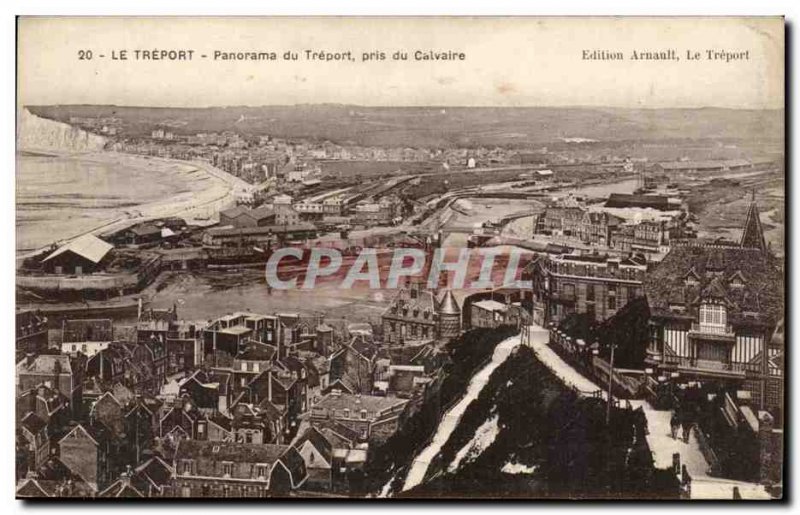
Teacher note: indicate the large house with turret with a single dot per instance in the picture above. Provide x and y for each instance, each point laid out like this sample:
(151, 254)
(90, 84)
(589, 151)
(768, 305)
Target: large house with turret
(416, 314)
(716, 314)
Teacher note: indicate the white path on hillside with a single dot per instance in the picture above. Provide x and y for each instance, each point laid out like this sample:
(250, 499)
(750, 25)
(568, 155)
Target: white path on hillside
(659, 438)
(539, 339)
(450, 419)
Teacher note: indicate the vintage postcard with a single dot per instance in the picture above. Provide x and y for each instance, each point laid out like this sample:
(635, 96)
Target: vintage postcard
(400, 257)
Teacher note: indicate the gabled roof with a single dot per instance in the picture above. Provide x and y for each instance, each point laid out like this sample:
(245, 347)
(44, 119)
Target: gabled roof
(714, 290)
(96, 432)
(332, 430)
(220, 420)
(46, 364)
(761, 294)
(261, 213)
(32, 488)
(269, 409)
(295, 465)
(365, 348)
(33, 423)
(87, 246)
(318, 440)
(121, 488)
(156, 471)
(145, 229)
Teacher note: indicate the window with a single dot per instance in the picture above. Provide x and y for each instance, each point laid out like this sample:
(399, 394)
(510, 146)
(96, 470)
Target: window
(74, 348)
(713, 317)
(227, 469)
(187, 467)
(346, 413)
(248, 437)
(261, 470)
(244, 366)
(612, 303)
(363, 414)
(249, 366)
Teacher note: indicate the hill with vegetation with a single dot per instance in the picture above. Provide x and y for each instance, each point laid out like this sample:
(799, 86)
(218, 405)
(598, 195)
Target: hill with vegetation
(526, 436)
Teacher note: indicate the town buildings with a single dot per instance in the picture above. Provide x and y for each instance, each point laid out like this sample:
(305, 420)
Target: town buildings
(31, 333)
(372, 418)
(224, 469)
(416, 314)
(83, 255)
(86, 336)
(595, 284)
(715, 309)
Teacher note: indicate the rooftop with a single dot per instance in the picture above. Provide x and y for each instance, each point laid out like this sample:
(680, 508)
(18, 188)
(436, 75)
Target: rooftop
(229, 451)
(338, 401)
(87, 246)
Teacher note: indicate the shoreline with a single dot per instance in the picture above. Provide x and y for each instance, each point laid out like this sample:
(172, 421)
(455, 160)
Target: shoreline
(199, 204)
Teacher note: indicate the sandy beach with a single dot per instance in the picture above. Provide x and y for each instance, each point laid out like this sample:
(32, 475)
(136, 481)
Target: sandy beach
(100, 192)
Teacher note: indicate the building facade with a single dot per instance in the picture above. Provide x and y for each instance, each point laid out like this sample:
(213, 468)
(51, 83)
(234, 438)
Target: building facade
(598, 285)
(716, 312)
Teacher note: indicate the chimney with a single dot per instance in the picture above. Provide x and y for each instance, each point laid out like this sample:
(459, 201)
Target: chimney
(269, 385)
(30, 358)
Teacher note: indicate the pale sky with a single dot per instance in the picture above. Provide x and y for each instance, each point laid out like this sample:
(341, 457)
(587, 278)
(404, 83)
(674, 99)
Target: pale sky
(509, 62)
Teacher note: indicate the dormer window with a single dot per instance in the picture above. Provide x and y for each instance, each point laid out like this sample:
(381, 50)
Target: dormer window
(736, 280)
(713, 318)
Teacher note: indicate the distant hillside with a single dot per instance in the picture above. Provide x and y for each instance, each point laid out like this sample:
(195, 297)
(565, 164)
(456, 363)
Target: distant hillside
(441, 126)
(35, 133)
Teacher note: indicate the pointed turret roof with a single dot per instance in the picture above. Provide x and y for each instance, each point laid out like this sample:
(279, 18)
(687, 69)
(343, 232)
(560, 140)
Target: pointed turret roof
(753, 233)
(449, 304)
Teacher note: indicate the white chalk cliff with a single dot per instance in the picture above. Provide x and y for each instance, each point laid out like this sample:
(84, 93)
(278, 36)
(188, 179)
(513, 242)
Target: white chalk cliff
(35, 133)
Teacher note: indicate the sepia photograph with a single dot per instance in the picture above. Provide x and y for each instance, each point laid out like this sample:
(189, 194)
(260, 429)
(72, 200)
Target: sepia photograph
(389, 258)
